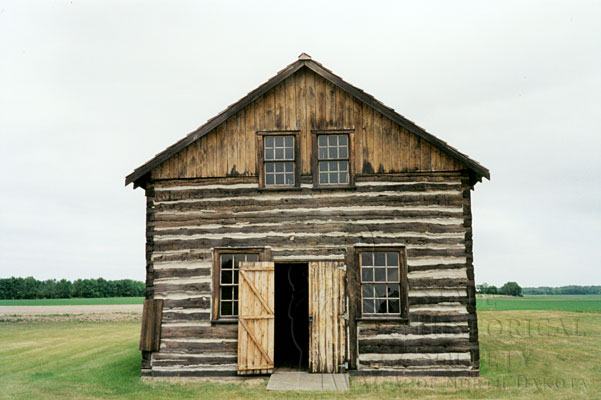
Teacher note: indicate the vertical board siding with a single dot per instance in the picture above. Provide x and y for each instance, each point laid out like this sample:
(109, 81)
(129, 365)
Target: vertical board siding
(152, 313)
(305, 101)
(429, 214)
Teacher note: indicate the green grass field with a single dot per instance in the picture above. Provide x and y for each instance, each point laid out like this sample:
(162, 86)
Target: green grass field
(73, 302)
(575, 303)
(525, 354)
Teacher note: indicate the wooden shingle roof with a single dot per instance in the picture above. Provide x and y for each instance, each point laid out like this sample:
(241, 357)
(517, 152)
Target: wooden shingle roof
(304, 61)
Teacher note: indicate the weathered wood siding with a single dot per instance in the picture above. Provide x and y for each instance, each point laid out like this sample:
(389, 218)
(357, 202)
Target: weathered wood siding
(428, 213)
(305, 101)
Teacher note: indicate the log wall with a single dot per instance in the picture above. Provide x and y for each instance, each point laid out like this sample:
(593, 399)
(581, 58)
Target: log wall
(303, 102)
(428, 213)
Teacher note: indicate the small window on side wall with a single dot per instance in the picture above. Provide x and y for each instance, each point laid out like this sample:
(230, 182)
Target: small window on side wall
(278, 160)
(226, 263)
(383, 283)
(331, 159)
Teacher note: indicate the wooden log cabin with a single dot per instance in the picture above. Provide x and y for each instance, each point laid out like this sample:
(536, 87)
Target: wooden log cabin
(309, 225)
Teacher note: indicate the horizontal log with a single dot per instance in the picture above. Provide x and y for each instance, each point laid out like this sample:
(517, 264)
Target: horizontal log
(407, 363)
(400, 349)
(195, 347)
(199, 288)
(276, 241)
(200, 332)
(437, 317)
(341, 214)
(172, 316)
(416, 372)
(194, 302)
(183, 360)
(193, 373)
(438, 299)
(366, 331)
(438, 341)
(181, 272)
(432, 267)
(328, 226)
(438, 283)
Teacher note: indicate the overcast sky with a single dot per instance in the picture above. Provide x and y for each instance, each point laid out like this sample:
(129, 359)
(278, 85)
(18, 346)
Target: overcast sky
(90, 90)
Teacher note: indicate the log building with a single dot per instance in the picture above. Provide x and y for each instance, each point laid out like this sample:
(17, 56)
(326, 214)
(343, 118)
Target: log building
(309, 225)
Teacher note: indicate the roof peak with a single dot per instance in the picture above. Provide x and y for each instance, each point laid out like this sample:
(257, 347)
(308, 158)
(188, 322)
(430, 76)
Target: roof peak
(304, 56)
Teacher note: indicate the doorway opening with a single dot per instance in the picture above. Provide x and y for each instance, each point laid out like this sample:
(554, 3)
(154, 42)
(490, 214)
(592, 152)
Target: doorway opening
(291, 316)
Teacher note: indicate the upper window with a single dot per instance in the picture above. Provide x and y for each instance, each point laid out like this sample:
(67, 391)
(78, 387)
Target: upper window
(333, 159)
(382, 277)
(279, 164)
(226, 278)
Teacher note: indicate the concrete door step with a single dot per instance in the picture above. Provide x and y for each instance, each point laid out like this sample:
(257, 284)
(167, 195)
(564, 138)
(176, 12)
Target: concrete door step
(288, 379)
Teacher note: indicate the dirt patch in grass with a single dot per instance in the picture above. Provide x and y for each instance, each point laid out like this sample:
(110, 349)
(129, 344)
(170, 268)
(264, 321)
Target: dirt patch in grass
(109, 312)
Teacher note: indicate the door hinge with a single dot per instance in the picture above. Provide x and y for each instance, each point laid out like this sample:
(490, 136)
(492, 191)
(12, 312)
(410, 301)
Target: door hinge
(345, 365)
(343, 268)
(345, 315)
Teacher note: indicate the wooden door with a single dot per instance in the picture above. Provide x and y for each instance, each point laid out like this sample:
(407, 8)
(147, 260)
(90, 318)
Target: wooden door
(327, 316)
(255, 318)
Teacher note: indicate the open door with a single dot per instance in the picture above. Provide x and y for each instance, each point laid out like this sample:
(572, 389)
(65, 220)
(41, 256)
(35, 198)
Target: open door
(327, 316)
(256, 318)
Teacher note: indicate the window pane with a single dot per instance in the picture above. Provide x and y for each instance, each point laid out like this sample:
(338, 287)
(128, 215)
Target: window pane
(279, 154)
(235, 308)
(393, 306)
(279, 179)
(323, 166)
(289, 154)
(343, 165)
(322, 140)
(368, 306)
(226, 276)
(289, 141)
(393, 274)
(289, 179)
(323, 153)
(393, 291)
(279, 167)
(343, 140)
(226, 261)
(381, 306)
(342, 152)
(269, 154)
(333, 165)
(343, 177)
(269, 180)
(368, 290)
(269, 167)
(235, 292)
(226, 308)
(367, 274)
(332, 140)
(333, 177)
(380, 290)
(366, 258)
(380, 274)
(323, 178)
(279, 141)
(236, 276)
(252, 257)
(379, 258)
(268, 141)
(333, 152)
(227, 292)
(392, 259)
(289, 167)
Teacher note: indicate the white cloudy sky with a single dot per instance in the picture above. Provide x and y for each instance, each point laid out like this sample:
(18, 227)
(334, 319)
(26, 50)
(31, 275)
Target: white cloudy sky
(89, 90)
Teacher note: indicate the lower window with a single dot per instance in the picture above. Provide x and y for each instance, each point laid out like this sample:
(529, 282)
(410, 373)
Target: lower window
(383, 283)
(225, 275)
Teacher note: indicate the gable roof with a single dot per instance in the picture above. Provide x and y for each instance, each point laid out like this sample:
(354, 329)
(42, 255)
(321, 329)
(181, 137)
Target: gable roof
(304, 60)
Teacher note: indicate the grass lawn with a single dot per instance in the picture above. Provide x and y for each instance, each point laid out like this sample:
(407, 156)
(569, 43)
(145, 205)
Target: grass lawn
(524, 354)
(73, 302)
(576, 303)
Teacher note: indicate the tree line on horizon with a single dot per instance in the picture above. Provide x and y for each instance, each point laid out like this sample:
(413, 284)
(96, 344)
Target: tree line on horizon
(31, 288)
(513, 289)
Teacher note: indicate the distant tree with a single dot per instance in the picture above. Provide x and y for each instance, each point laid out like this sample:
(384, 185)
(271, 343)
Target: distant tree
(511, 289)
(64, 289)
